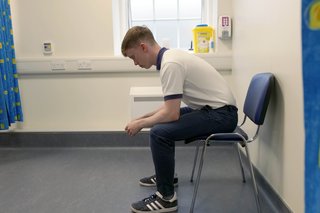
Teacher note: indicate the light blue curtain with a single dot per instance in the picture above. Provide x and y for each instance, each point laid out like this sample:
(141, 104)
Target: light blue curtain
(10, 104)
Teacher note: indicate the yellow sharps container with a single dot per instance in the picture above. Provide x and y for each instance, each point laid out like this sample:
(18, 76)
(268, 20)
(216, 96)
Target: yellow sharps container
(202, 34)
(314, 22)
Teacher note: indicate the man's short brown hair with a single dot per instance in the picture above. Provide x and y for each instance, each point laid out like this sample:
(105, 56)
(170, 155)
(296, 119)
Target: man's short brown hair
(135, 36)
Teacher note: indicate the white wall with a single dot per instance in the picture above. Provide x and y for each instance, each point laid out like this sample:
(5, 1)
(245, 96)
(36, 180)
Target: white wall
(267, 38)
(72, 102)
(76, 28)
(85, 102)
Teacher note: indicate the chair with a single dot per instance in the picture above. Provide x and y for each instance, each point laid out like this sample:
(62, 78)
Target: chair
(255, 107)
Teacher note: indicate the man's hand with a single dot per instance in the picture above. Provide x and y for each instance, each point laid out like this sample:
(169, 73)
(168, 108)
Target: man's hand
(169, 112)
(133, 127)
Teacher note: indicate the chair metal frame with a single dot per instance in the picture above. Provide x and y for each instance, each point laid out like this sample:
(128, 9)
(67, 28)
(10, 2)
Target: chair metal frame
(238, 136)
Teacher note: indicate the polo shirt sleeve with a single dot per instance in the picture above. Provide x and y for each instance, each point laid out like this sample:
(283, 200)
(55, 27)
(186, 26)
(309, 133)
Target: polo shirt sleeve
(172, 79)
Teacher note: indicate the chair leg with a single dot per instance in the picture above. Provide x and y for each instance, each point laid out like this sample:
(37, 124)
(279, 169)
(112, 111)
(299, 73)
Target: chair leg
(255, 189)
(241, 163)
(195, 160)
(195, 190)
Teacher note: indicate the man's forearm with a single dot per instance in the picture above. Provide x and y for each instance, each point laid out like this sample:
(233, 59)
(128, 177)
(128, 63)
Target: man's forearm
(149, 114)
(170, 111)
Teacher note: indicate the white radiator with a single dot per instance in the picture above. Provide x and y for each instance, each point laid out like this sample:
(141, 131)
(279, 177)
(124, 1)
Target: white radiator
(144, 100)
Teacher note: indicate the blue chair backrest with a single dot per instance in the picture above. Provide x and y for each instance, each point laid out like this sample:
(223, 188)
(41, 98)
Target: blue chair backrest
(258, 97)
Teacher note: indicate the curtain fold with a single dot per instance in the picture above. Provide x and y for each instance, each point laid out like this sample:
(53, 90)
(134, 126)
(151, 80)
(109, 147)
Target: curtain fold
(10, 103)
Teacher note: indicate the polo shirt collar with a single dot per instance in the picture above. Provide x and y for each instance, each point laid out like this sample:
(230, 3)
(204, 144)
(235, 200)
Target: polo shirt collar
(159, 57)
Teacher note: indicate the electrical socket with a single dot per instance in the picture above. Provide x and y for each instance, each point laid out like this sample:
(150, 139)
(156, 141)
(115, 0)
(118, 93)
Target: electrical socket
(58, 65)
(84, 65)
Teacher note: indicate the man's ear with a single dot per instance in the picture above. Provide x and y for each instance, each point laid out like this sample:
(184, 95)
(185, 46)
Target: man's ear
(144, 47)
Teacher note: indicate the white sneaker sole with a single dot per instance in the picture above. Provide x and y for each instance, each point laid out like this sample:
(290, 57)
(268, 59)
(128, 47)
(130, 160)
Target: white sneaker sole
(168, 210)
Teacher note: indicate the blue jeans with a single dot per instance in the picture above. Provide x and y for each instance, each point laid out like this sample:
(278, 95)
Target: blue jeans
(192, 123)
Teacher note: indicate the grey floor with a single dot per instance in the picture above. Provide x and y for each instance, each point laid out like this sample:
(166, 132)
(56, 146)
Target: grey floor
(105, 180)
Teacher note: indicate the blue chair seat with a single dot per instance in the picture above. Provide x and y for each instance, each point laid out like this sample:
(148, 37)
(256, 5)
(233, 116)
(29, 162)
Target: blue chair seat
(224, 137)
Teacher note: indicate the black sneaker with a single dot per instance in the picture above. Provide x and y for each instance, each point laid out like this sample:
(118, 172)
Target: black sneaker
(151, 181)
(156, 204)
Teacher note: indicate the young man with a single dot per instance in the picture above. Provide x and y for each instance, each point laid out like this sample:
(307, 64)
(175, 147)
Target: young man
(210, 108)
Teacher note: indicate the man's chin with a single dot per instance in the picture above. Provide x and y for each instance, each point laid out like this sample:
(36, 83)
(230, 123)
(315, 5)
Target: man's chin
(146, 67)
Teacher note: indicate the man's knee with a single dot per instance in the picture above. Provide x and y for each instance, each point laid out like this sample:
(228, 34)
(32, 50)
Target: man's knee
(158, 130)
(160, 135)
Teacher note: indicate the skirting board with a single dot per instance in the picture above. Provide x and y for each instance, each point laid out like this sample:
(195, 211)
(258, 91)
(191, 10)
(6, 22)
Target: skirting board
(75, 139)
(266, 191)
(117, 139)
(72, 139)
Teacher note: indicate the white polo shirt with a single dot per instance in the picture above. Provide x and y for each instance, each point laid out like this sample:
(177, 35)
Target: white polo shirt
(184, 75)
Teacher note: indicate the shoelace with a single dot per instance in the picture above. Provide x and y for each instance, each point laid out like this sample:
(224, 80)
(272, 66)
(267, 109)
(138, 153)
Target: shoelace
(150, 198)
